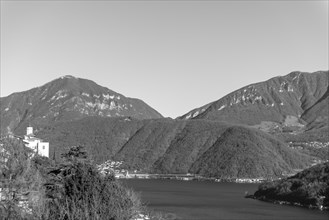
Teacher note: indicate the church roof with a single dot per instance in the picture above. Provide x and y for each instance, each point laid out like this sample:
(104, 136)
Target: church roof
(31, 138)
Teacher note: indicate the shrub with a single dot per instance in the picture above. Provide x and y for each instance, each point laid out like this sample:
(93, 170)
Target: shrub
(71, 190)
(76, 190)
(14, 159)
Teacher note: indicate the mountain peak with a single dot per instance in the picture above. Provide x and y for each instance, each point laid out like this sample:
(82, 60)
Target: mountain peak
(68, 77)
(68, 98)
(76, 86)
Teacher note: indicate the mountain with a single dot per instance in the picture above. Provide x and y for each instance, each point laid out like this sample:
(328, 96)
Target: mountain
(243, 153)
(309, 188)
(70, 111)
(176, 146)
(68, 98)
(170, 146)
(318, 113)
(294, 100)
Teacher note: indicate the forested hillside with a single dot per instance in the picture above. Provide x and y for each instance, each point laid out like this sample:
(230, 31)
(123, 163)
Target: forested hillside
(246, 153)
(177, 146)
(307, 188)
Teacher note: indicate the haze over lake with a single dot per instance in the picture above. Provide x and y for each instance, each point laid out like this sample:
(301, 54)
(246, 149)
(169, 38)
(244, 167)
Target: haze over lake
(213, 201)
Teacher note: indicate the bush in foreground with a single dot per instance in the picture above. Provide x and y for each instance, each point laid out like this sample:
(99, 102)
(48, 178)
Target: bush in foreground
(76, 190)
(71, 190)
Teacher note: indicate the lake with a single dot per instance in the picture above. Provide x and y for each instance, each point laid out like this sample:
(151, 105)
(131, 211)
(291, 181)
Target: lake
(213, 201)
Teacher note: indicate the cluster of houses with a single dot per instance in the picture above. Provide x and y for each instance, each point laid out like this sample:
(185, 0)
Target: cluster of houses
(313, 144)
(111, 166)
(316, 144)
(242, 180)
(141, 216)
(249, 180)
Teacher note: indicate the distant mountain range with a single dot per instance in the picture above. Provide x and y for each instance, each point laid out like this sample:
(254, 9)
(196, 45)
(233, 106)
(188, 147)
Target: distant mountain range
(65, 99)
(297, 100)
(223, 139)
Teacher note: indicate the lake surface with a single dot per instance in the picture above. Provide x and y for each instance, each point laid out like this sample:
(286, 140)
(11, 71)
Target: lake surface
(213, 201)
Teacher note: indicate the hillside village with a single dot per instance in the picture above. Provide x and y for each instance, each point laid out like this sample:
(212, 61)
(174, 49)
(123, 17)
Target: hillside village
(113, 167)
(313, 144)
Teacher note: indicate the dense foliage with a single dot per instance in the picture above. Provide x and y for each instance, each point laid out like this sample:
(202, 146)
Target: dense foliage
(14, 178)
(159, 145)
(246, 153)
(35, 187)
(76, 190)
(308, 188)
(177, 146)
(101, 137)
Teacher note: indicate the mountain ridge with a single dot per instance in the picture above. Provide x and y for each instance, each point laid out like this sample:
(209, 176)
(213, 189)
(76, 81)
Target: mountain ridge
(70, 111)
(272, 100)
(68, 98)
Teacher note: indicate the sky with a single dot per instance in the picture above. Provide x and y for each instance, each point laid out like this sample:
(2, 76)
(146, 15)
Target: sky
(174, 55)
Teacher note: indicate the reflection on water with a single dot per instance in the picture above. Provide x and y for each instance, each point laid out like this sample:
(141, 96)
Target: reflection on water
(213, 201)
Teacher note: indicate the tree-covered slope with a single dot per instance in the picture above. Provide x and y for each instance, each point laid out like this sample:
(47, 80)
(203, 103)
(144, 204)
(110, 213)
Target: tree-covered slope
(317, 116)
(188, 145)
(247, 153)
(176, 146)
(308, 188)
(170, 146)
(101, 137)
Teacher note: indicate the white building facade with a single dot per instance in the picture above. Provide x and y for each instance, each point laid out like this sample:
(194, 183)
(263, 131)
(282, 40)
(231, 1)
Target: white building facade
(36, 144)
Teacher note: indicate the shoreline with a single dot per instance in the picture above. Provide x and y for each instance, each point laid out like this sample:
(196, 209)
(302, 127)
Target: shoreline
(264, 199)
(233, 180)
(192, 177)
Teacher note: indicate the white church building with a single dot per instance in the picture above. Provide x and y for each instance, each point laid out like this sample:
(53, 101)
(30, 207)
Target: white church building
(36, 144)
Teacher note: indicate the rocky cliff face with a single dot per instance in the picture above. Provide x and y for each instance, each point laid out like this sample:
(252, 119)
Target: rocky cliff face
(68, 98)
(296, 99)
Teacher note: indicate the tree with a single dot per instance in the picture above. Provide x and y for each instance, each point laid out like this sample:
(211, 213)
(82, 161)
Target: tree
(71, 190)
(74, 153)
(14, 161)
(75, 189)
